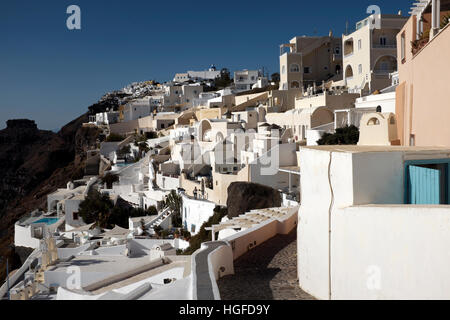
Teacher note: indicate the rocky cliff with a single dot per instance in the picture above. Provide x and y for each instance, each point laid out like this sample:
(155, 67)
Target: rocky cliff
(246, 196)
(34, 163)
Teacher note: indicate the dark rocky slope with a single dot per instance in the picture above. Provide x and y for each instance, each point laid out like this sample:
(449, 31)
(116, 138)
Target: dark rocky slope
(246, 196)
(34, 163)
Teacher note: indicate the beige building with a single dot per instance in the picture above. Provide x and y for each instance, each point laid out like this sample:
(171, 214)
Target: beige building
(370, 53)
(309, 61)
(378, 129)
(327, 99)
(422, 104)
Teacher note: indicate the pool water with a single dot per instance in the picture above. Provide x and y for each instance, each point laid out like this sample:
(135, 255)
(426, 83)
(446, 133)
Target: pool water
(122, 164)
(47, 221)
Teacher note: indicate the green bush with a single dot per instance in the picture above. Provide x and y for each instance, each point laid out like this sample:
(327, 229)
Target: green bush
(109, 179)
(348, 135)
(205, 235)
(100, 209)
(173, 202)
(114, 137)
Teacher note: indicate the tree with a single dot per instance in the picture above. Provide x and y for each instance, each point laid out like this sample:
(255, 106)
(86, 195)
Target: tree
(99, 209)
(203, 235)
(114, 137)
(348, 135)
(143, 148)
(173, 202)
(124, 151)
(109, 179)
(275, 77)
(223, 80)
(96, 208)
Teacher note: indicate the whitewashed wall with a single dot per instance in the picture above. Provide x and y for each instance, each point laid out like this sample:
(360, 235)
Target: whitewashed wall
(196, 212)
(391, 252)
(372, 233)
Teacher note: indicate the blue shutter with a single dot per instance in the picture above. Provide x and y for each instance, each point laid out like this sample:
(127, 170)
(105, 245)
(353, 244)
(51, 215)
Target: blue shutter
(424, 185)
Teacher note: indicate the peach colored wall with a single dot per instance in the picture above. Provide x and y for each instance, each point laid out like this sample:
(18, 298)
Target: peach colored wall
(426, 102)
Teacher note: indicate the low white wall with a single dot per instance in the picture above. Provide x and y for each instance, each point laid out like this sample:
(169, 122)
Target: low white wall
(64, 253)
(112, 251)
(244, 241)
(143, 246)
(167, 183)
(221, 257)
(22, 237)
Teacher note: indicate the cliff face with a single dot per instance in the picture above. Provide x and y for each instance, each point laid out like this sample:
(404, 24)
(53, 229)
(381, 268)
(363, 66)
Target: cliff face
(246, 196)
(34, 163)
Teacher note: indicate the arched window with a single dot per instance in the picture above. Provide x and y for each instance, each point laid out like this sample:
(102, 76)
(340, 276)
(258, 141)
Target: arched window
(392, 120)
(349, 72)
(294, 68)
(295, 84)
(373, 122)
(283, 69)
(378, 108)
(338, 69)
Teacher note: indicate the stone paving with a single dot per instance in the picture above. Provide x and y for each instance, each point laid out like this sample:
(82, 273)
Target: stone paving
(268, 272)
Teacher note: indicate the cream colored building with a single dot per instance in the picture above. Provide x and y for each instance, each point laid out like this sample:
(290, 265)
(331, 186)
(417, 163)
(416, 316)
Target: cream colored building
(310, 60)
(378, 129)
(370, 53)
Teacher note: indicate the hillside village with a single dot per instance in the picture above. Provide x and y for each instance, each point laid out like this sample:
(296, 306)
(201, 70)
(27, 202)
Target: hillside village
(346, 151)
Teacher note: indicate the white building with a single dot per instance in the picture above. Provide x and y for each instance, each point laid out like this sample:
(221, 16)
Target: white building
(245, 79)
(195, 212)
(373, 222)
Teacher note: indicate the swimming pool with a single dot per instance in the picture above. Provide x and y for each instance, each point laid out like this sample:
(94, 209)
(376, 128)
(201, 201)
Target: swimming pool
(47, 221)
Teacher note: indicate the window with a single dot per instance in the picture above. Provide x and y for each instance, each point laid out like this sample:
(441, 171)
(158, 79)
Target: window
(162, 125)
(382, 40)
(337, 50)
(295, 84)
(412, 140)
(373, 122)
(283, 69)
(325, 68)
(75, 216)
(294, 68)
(360, 68)
(359, 44)
(307, 70)
(193, 228)
(403, 47)
(392, 120)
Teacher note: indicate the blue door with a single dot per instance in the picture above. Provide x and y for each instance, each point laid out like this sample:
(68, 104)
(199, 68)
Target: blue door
(427, 184)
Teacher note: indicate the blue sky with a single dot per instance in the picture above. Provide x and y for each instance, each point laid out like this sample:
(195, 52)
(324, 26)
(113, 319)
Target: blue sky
(51, 75)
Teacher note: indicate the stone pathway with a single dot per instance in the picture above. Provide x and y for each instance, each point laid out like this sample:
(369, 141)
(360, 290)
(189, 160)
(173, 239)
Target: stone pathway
(268, 272)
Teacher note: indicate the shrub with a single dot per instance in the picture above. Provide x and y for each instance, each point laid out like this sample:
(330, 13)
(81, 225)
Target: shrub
(343, 136)
(109, 179)
(114, 137)
(205, 235)
(173, 202)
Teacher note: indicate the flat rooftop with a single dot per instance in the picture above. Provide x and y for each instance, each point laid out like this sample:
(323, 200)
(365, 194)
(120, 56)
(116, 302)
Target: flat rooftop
(363, 149)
